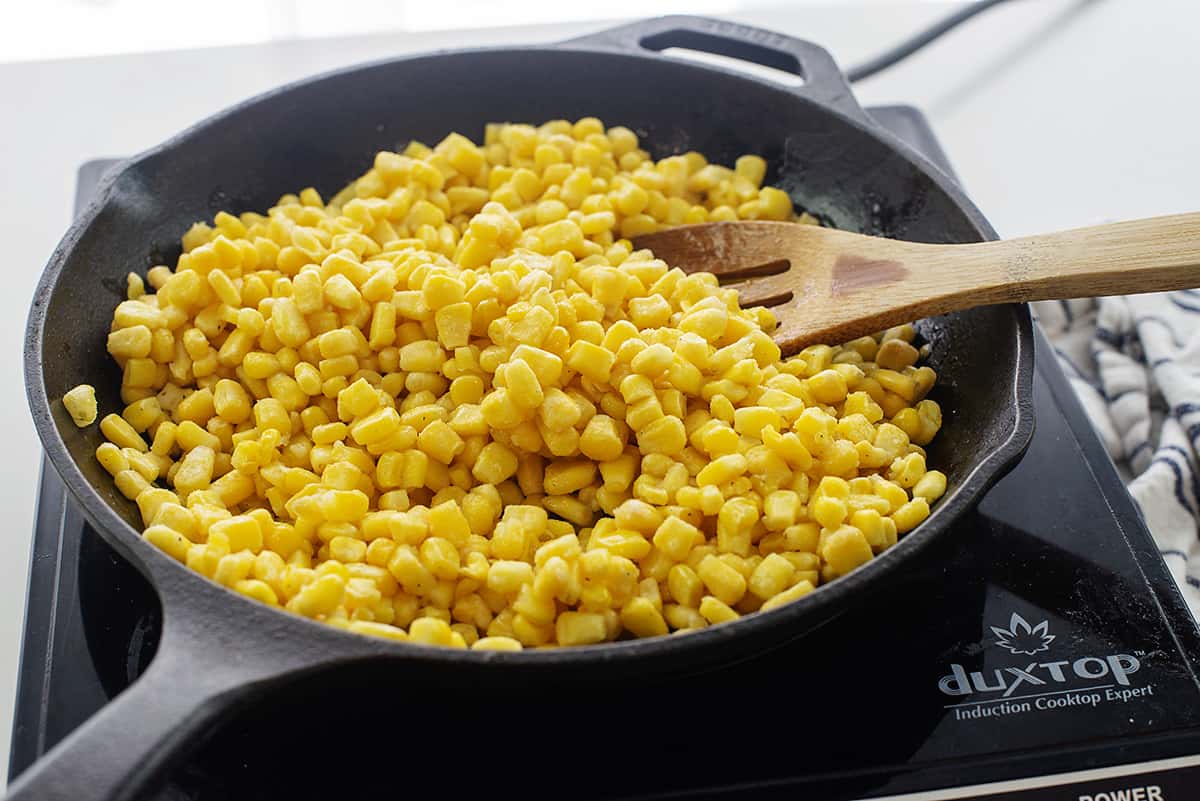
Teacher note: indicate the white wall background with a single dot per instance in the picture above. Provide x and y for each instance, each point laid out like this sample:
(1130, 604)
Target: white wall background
(43, 29)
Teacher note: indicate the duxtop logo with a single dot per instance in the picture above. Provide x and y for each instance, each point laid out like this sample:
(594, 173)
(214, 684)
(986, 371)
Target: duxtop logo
(1024, 639)
(1062, 681)
(1021, 638)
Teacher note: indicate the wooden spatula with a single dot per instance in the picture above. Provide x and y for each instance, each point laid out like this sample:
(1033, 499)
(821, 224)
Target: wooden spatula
(826, 285)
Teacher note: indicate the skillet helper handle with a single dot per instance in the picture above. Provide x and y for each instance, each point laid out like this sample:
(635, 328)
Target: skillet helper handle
(823, 80)
(120, 752)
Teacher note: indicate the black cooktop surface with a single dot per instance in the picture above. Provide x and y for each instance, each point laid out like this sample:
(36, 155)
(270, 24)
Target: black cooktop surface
(1043, 636)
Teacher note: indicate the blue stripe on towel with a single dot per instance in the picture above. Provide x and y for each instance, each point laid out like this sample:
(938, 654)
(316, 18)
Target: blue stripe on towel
(1179, 494)
(1153, 318)
(1180, 409)
(1124, 392)
(1187, 458)
(1110, 337)
(1186, 305)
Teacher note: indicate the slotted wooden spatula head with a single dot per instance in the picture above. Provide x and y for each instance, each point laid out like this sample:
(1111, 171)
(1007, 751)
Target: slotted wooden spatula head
(826, 285)
(812, 278)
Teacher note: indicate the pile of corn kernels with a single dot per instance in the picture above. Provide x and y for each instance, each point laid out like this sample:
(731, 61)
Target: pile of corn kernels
(453, 406)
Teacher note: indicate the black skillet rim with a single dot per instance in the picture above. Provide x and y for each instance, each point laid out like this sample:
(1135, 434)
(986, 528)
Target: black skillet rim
(788, 618)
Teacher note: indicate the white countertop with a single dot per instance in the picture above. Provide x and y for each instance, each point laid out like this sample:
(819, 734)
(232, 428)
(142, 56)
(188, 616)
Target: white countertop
(1055, 114)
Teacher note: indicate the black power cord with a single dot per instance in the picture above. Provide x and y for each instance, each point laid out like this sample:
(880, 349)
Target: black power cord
(915, 43)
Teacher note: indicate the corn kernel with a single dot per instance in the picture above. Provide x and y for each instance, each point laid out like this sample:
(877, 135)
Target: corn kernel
(716, 611)
(580, 628)
(721, 580)
(793, 593)
(931, 486)
(80, 403)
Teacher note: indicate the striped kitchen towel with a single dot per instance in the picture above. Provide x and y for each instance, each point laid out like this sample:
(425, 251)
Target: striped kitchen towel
(1134, 361)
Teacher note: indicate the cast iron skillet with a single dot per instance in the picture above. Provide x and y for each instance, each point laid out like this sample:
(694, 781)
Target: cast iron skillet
(218, 648)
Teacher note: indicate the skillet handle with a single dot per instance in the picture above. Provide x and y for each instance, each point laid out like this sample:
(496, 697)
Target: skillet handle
(823, 80)
(120, 752)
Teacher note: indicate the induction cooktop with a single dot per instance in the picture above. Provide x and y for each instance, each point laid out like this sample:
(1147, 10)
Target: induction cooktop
(1040, 651)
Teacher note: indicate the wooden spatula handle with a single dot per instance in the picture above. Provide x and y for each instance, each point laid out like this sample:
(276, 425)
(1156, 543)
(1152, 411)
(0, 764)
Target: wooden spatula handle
(1152, 255)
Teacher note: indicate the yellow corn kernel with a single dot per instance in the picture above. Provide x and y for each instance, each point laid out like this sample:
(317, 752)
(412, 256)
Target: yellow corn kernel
(143, 414)
(243, 533)
(870, 523)
(772, 575)
(376, 426)
(329, 433)
(910, 515)
(80, 403)
(601, 439)
(320, 597)
(622, 542)
(845, 549)
(498, 643)
(718, 439)
(930, 486)
(716, 611)
(357, 400)
(430, 631)
(130, 343)
(675, 537)
(685, 585)
(580, 628)
(111, 458)
(230, 401)
(665, 435)
(258, 590)
(523, 386)
(722, 581)
(374, 628)
(722, 469)
(441, 558)
(270, 413)
(168, 540)
(828, 386)
(151, 501)
(233, 567)
(500, 411)
(793, 593)
(440, 441)
(347, 550)
(448, 521)
(590, 360)
(896, 354)
(829, 512)
(683, 618)
(569, 476)
(642, 618)
(900, 384)
(507, 576)
(423, 356)
(495, 463)
(342, 505)
(121, 434)
(894, 494)
(260, 365)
